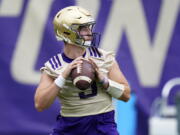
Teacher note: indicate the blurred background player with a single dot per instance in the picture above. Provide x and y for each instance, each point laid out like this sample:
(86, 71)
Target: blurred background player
(88, 112)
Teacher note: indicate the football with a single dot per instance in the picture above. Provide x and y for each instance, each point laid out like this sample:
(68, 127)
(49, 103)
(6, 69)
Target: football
(83, 77)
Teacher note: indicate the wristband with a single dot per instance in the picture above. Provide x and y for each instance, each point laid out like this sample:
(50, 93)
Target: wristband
(115, 89)
(60, 81)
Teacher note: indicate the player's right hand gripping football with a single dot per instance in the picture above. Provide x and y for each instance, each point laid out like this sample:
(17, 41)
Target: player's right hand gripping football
(76, 62)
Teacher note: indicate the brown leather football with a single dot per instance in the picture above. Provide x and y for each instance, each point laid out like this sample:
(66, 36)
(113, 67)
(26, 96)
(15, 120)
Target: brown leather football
(83, 77)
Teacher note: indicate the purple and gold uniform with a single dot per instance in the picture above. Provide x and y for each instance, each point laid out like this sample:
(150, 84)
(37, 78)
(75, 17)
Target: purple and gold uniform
(83, 112)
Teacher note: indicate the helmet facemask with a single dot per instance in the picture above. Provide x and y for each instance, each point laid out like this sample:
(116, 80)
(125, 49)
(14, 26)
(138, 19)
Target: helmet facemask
(80, 41)
(77, 39)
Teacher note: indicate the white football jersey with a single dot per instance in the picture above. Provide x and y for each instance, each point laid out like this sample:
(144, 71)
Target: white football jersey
(75, 102)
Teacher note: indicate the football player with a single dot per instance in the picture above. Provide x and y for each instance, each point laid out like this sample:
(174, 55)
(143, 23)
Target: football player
(87, 112)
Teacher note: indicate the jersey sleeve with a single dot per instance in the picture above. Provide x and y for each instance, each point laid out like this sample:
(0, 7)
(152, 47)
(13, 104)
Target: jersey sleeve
(48, 70)
(108, 59)
(52, 67)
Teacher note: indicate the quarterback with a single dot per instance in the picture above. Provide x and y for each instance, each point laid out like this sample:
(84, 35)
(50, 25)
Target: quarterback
(87, 112)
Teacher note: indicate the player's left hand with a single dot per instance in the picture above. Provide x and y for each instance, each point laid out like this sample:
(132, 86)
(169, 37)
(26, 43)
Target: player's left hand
(100, 76)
